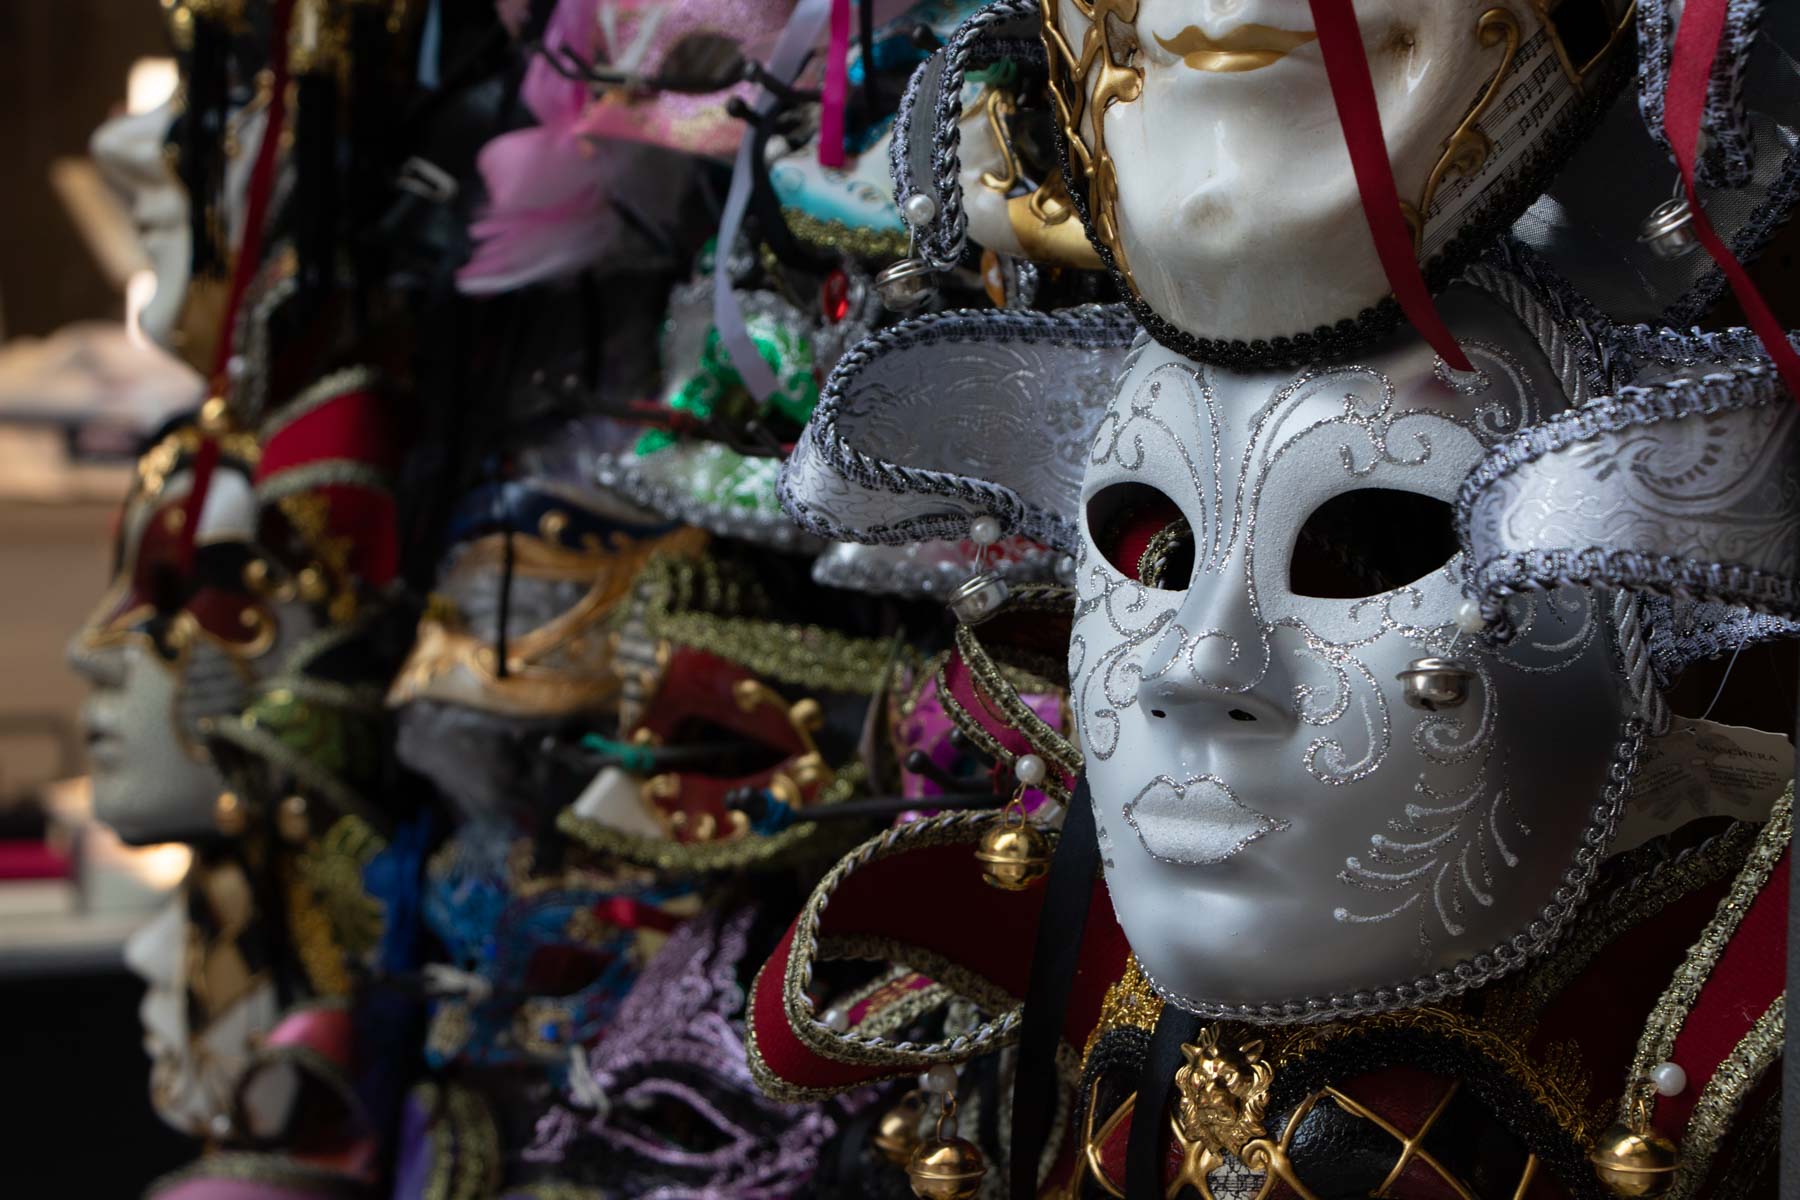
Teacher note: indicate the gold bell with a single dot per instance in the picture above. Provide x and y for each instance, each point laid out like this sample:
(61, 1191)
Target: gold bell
(1630, 1163)
(946, 1168)
(291, 819)
(229, 817)
(1014, 853)
(897, 1133)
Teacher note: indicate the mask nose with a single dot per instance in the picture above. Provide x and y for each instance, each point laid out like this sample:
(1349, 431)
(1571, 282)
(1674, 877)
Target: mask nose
(1221, 671)
(100, 666)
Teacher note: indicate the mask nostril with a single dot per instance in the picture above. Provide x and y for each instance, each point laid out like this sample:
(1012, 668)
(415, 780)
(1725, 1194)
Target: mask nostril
(1238, 714)
(1158, 713)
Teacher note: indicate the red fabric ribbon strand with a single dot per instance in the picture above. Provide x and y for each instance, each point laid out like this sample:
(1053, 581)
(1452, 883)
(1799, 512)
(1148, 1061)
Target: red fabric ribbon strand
(837, 87)
(1690, 70)
(244, 265)
(1353, 91)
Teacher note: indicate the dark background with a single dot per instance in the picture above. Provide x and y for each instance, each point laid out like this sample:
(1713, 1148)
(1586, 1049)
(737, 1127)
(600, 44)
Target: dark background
(62, 72)
(73, 1076)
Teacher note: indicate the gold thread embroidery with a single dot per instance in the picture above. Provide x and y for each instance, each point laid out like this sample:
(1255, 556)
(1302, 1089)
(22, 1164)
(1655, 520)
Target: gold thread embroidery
(1719, 1101)
(1672, 1008)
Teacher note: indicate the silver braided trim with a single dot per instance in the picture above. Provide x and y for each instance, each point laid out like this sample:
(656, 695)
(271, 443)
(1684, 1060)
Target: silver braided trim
(1502, 958)
(1637, 662)
(1602, 353)
(1728, 158)
(934, 167)
(927, 504)
(1574, 365)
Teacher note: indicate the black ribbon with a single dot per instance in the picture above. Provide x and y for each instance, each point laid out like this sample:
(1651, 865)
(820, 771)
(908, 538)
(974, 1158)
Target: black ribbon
(1143, 1151)
(1053, 961)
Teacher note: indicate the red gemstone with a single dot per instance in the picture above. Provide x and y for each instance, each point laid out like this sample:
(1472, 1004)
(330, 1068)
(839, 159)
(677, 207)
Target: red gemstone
(834, 296)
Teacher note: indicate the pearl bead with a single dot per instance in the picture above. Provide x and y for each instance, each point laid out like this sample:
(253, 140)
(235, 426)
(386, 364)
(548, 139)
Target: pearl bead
(984, 531)
(1469, 618)
(1030, 769)
(940, 1080)
(1668, 1079)
(236, 367)
(836, 1020)
(919, 209)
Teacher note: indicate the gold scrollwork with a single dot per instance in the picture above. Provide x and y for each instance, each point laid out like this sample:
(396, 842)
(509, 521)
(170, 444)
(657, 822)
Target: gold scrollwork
(1118, 82)
(1469, 147)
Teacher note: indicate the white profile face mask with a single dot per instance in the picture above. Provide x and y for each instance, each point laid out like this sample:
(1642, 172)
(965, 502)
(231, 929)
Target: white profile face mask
(1283, 836)
(164, 652)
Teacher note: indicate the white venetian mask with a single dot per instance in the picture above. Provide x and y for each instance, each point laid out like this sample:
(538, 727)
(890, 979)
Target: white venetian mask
(1283, 836)
(1207, 140)
(129, 152)
(165, 650)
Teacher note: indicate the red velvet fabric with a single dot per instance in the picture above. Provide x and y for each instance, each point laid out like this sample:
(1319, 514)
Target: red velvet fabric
(934, 899)
(1749, 975)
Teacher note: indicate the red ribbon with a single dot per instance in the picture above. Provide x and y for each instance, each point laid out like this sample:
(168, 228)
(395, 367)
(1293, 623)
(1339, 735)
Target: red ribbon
(1353, 91)
(837, 87)
(249, 252)
(1690, 71)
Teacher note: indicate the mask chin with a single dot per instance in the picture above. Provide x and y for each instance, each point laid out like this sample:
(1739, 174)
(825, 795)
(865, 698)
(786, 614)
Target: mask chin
(147, 786)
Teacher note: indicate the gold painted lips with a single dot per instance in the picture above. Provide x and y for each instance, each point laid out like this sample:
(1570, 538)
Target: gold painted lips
(1246, 48)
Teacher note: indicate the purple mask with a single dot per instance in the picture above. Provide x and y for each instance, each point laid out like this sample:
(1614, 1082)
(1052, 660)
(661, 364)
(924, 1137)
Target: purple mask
(673, 1113)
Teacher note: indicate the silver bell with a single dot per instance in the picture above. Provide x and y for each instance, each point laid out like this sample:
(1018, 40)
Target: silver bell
(905, 285)
(1669, 229)
(1435, 683)
(978, 597)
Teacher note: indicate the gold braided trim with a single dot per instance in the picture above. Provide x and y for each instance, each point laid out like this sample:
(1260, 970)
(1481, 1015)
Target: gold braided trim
(1724, 1093)
(1631, 904)
(475, 1139)
(1756, 1148)
(1129, 1003)
(751, 850)
(1000, 687)
(852, 1046)
(964, 983)
(808, 656)
(903, 1012)
(1155, 558)
(846, 239)
(1672, 1008)
(319, 393)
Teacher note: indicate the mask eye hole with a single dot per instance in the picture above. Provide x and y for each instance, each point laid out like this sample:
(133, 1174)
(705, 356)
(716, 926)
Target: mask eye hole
(1143, 535)
(1369, 541)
